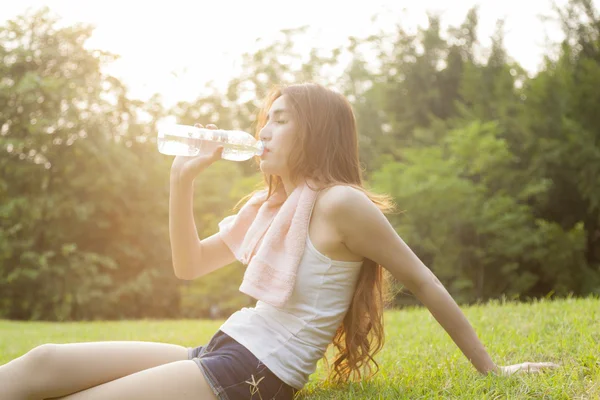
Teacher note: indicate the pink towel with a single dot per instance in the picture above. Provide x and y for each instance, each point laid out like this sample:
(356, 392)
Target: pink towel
(269, 237)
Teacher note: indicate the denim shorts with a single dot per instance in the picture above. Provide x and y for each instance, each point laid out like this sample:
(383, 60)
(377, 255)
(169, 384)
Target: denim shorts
(234, 373)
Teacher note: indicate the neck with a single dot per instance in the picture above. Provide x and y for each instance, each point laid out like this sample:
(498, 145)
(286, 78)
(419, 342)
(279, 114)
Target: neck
(288, 185)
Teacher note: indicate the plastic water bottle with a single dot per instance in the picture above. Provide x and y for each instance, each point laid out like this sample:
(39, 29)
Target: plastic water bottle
(185, 140)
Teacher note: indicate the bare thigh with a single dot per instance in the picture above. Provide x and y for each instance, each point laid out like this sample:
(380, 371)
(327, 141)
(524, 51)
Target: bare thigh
(178, 380)
(61, 369)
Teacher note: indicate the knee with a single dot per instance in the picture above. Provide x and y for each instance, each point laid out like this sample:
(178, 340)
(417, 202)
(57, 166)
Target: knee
(42, 355)
(40, 366)
(26, 376)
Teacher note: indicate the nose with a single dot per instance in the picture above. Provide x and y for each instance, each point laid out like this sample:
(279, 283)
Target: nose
(264, 134)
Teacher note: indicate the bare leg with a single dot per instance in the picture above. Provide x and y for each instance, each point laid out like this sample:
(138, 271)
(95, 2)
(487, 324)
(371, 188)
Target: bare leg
(53, 370)
(178, 380)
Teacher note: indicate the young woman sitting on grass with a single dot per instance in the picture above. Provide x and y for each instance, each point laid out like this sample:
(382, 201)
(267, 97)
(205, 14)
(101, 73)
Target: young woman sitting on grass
(316, 244)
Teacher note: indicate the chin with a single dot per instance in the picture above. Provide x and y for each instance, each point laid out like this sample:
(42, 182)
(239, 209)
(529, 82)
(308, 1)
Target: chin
(268, 169)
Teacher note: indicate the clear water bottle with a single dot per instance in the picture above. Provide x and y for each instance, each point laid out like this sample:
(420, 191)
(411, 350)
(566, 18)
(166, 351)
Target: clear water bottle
(185, 140)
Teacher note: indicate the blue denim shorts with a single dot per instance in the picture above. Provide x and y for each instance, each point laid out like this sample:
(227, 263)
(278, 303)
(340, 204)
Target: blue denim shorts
(234, 373)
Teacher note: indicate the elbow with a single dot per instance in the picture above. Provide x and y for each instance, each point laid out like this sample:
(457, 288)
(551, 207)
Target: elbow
(183, 277)
(183, 274)
(425, 283)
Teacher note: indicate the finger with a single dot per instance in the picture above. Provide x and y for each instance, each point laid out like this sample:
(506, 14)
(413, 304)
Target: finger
(199, 163)
(211, 126)
(218, 153)
(198, 126)
(544, 364)
(549, 365)
(541, 367)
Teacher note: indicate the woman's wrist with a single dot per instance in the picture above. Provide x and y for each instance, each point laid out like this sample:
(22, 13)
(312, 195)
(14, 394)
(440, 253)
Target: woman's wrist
(493, 369)
(177, 180)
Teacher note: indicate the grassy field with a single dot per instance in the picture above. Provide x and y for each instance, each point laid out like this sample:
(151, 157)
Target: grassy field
(419, 360)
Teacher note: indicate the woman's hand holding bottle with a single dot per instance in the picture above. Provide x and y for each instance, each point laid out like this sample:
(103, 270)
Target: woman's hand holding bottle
(185, 169)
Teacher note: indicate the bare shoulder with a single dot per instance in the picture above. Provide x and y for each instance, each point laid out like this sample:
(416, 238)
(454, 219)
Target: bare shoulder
(335, 204)
(356, 220)
(342, 200)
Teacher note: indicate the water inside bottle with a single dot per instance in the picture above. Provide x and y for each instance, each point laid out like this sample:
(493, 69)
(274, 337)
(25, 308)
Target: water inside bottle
(177, 145)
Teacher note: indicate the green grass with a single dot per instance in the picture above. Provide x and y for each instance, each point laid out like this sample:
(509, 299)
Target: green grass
(419, 360)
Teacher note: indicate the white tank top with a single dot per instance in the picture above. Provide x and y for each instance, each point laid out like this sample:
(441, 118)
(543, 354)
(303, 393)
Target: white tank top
(291, 340)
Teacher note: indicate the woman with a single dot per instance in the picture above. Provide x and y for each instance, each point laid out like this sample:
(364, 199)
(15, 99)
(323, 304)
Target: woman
(269, 351)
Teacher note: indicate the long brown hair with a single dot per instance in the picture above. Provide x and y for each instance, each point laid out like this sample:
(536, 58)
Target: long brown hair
(326, 152)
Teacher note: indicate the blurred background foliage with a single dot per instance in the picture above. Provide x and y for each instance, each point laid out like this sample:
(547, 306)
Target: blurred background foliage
(496, 171)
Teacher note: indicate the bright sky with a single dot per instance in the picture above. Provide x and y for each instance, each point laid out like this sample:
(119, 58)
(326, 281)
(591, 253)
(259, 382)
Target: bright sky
(175, 47)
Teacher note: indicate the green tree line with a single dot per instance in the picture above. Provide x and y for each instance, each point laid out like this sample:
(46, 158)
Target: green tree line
(495, 170)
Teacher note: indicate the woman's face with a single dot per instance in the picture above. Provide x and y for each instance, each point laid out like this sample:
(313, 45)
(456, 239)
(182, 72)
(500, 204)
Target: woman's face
(278, 136)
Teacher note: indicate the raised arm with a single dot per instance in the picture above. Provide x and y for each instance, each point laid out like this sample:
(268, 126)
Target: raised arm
(191, 256)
